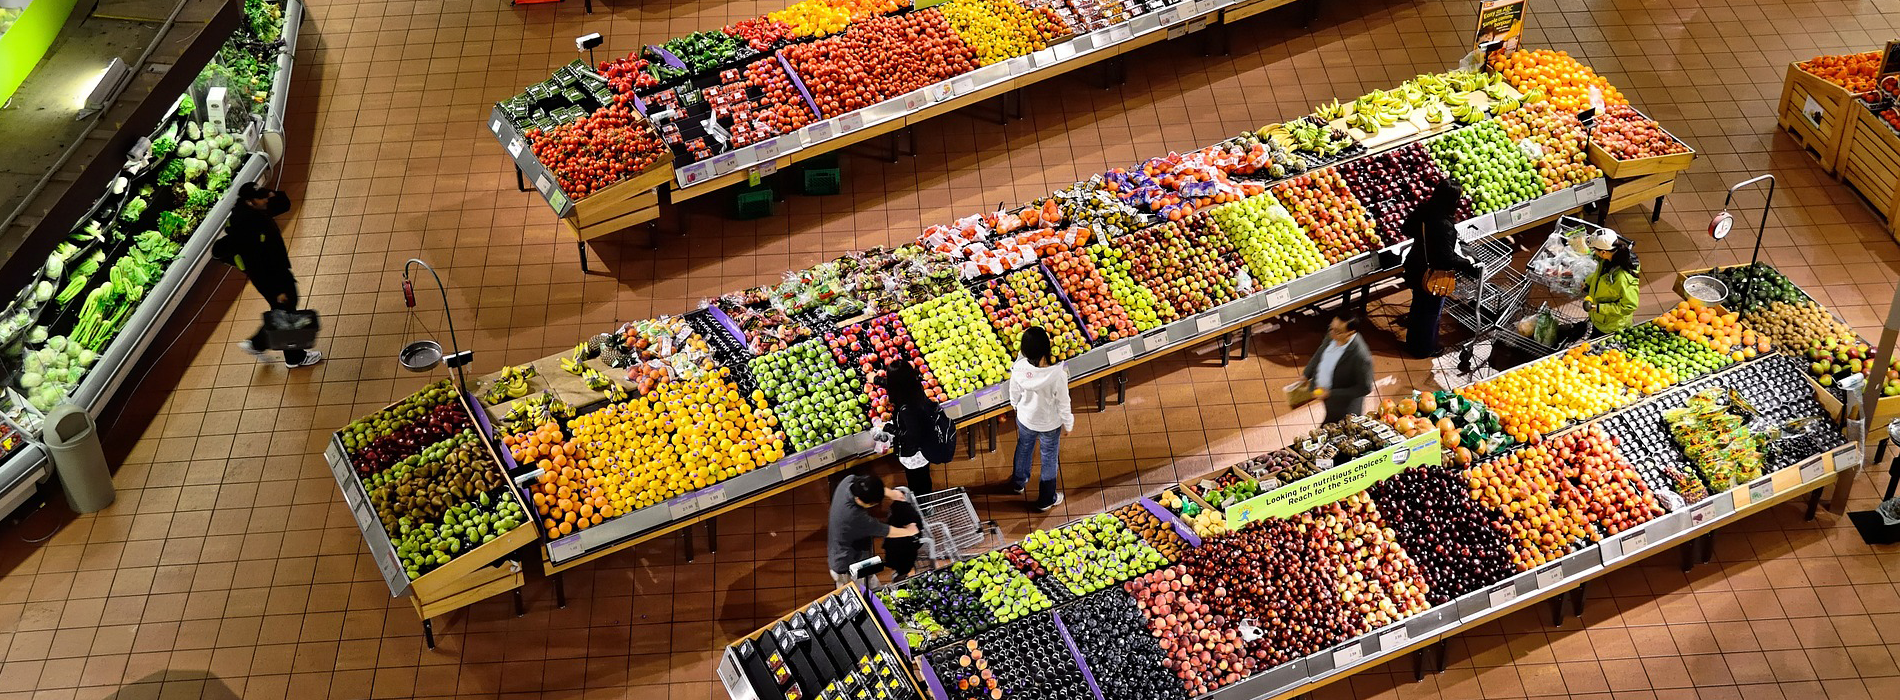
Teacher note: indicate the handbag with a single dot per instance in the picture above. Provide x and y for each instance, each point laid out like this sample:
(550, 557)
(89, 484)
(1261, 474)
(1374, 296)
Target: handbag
(290, 329)
(1438, 282)
(1299, 393)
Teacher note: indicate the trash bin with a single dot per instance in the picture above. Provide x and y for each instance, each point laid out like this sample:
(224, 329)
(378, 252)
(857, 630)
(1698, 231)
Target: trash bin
(72, 439)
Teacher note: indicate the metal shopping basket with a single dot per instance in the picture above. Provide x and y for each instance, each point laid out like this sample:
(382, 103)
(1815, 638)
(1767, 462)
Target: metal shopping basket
(1482, 302)
(951, 526)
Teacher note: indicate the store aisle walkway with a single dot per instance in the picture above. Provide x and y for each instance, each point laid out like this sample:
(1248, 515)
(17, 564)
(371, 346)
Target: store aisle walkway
(229, 567)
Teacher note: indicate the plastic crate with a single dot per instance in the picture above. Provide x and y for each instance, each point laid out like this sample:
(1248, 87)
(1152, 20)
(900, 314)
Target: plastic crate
(821, 177)
(753, 203)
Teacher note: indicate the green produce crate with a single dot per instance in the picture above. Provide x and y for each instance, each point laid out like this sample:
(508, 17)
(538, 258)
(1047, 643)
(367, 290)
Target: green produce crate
(753, 203)
(822, 177)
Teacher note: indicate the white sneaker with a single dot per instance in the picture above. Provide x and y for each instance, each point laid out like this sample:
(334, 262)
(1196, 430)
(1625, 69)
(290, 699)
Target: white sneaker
(310, 357)
(252, 350)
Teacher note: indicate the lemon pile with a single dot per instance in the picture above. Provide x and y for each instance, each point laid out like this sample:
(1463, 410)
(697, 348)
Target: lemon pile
(999, 30)
(684, 435)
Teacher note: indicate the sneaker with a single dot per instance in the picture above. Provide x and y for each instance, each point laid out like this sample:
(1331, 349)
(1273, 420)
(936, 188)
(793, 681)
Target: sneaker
(1018, 488)
(252, 350)
(1052, 504)
(310, 357)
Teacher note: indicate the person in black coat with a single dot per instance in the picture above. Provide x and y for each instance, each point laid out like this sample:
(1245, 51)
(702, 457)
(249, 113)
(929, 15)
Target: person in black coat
(1434, 249)
(1341, 369)
(255, 246)
(912, 426)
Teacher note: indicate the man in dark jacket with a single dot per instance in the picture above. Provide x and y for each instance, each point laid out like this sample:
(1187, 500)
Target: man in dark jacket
(255, 246)
(1341, 370)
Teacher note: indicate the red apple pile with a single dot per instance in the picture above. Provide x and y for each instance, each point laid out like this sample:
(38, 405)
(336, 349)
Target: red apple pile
(1023, 299)
(1626, 134)
(1615, 496)
(1189, 264)
(878, 59)
(870, 346)
(1377, 582)
(1102, 316)
(1281, 574)
(1203, 648)
(1326, 209)
(1392, 184)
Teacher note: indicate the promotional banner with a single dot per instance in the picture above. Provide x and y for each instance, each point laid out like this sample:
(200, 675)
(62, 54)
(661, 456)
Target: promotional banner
(1500, 21)
(1337, 483)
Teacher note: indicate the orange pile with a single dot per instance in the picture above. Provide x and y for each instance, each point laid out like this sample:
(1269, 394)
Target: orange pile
(569, 494)
(1854, 71)
(1544, 512)
(1714, 329)
(1550, 393)
(1561, 78)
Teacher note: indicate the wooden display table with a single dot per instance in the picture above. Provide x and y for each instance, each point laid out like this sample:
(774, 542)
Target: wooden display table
(1818, 114)
(1635, 181)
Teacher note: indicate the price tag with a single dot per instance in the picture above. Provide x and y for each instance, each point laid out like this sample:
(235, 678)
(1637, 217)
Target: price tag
(795, 468)
(1279, 297)
(823, 456)
(1120, 353)
(1068, 49)
(1395, 639)
(1207, 324)
(1847, 458)
(1178, 31)
(495, 126)
(818, 132)
(1323, 463)
(542, 183)
(991, 400)
(765, 150)
(566, 548)
(718, 497)
(1170, 16)
(1520, 213)
(1045, 57)
(1814, 471)
(962, 85)
(693, 174)
(1702, 513)
(916, 99)
(1503, 595)
(1549, 576)
(851, 122)
(1761, 490)
(1120, 32)
(684, 506)
(515, 146)
(1635, 540)
(1347, 655)
(725, 162)
(1019, 65)
(767, 168)
(941, 91)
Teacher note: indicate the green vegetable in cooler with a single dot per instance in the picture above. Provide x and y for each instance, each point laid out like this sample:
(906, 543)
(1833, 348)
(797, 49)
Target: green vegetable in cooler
(43, 291)
(37, 335)
(135, 208)
(119, 185)
(220, 179)
(189, 148)
(191, 130)
(195, 168)
(31, 379)
(173, 224)
(162, 149)
(186, 105)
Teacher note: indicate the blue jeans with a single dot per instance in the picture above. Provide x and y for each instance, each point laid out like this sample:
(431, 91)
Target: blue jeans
(1026, 441)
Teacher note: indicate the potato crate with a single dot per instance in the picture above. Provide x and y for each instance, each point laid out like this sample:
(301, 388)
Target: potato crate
(1870, 164)
(1817, 113)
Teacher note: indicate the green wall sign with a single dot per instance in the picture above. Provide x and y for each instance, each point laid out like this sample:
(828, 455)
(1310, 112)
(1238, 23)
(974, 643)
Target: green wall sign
(1337, 483)
(24, 43)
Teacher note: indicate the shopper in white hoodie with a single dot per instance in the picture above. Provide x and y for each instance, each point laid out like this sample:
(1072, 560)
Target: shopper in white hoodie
(1039, 389)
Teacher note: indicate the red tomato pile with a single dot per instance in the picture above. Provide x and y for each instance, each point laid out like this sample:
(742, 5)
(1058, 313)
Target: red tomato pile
(1625, 134)
(781, 108)
(878, 59)
(1324, 206)
(760, 33)
(597, 150)
(625, 75)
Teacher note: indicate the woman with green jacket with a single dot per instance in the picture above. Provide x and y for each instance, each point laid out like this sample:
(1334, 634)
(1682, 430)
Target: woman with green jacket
(1610, 293)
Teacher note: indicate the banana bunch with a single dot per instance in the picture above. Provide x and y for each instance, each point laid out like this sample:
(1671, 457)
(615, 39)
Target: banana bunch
(1330, 111)
(1278, 135)
(1505, 105)
(534, 410)
(1497, 91)
(1467, 114)
(1534, 96)
(572, 366)
(607, 387)
(511, 385)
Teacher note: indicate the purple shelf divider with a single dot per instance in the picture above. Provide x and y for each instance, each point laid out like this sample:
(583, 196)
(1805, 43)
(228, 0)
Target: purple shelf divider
(1055, 283)
(732, 329)
(639, 105)
(1074, 651)
(930, 679)
(1180, 528)
(799, 83)
(889, 622)
(667, 57)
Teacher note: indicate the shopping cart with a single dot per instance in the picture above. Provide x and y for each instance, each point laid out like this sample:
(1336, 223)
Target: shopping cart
(1556, 273)
(1482, 302)
(951, 526)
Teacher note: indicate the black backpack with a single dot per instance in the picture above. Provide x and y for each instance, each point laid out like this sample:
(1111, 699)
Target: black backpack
(937, 442)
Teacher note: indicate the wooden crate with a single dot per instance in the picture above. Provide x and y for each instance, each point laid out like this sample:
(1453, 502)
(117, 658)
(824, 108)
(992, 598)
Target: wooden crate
(1636, 167)
(479, 585)
(619, 222)
(1819, 129)
(452, 580)
(1625, 194)
(1870, 163)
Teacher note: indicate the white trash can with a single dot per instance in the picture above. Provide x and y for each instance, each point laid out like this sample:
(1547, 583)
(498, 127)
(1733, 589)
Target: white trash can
(72, 441)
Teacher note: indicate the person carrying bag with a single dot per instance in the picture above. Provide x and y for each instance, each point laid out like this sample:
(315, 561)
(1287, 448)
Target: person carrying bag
(920, 433)
(254, 245)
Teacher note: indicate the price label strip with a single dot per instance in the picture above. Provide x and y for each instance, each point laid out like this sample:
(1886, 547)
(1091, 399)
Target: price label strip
(1279, 297)
(1549, 576)
(1395, 639)
(851, 122)
(1702, 512)
(1120, 353)
(1503, 595)
(1207, 324)
(1347, 655)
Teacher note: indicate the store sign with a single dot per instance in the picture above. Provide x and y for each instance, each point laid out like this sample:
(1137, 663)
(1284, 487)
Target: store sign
(1500, 24)
(1890, 59)
(1337, 483)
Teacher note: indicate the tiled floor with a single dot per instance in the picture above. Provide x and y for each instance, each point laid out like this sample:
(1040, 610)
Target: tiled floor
(228, 566)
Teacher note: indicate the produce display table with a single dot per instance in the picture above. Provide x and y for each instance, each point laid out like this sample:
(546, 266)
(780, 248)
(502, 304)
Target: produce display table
(106, 238)
(1561, 582)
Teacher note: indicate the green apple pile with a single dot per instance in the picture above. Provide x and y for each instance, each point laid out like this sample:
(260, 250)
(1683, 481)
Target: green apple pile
(1093, 554)
(1685, 358)
(465, 526)
(1001, 587)
(957, 343)
(1023, 299)
(815, 400)
(1494, 172)
(1144, 308)
(1269, 241)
